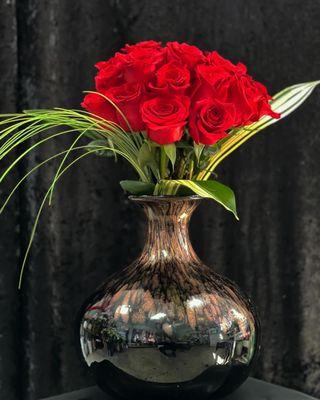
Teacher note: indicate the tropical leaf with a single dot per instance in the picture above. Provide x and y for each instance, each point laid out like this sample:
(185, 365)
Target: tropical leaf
(138, 188)
(212, 190)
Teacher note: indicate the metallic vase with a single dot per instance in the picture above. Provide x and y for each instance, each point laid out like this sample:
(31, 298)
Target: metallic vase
(167, 326)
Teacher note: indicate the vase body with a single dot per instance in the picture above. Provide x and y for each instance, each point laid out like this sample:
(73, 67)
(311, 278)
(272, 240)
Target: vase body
(167, 326)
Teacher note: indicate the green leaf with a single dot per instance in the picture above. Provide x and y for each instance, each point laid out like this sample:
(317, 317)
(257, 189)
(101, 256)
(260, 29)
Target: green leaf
(145, 155)
(288, 100)
(171, 152)
(198, 148)
(147, 158)
(212, 190)
(184, 191)
(137, 187)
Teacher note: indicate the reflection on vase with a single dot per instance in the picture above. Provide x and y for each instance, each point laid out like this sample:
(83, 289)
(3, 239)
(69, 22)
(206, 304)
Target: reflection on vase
(167, 325)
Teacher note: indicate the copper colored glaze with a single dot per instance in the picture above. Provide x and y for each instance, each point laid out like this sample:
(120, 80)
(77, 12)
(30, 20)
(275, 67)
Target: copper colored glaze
(167, 326)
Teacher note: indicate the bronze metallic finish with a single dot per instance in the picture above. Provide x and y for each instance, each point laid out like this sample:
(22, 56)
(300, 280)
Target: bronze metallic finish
(167, 326)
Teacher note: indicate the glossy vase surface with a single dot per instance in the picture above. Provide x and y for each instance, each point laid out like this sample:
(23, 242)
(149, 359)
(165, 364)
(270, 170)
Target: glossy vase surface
(167, 326)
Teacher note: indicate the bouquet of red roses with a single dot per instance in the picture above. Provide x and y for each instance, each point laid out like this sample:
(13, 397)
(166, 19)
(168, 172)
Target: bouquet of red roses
(174, 112)
(176, 92)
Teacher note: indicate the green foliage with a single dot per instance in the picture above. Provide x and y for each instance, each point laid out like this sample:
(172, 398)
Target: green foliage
(212, 190)
(147, 158)
(198, 149)
(138, 188)
(146, 155)
(171, 152)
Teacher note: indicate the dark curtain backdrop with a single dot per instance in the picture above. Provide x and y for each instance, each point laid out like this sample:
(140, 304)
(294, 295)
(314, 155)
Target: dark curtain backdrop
(47, 52)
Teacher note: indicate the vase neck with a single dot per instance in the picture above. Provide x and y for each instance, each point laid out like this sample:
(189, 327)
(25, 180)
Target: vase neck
(168, 233)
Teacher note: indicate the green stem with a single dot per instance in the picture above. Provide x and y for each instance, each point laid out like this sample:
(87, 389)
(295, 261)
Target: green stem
(182, 168)
(163, 163)
(191, 167)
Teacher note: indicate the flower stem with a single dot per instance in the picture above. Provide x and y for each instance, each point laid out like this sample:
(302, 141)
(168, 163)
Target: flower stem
(191, 167)
(163, 163)
(181, 168)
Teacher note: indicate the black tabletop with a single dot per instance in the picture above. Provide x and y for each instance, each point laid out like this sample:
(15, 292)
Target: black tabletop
(252, 389)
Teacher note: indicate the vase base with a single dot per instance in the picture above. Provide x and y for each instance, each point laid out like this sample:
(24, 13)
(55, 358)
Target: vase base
(214, 383)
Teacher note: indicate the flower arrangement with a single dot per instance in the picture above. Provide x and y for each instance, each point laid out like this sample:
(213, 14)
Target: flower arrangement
(177, 89)
(174, 112)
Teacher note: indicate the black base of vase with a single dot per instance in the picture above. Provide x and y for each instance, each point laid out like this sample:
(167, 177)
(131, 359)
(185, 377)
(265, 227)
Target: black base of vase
(214, 383)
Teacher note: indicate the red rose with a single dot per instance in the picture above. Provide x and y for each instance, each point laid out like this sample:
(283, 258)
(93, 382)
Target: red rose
(96, 104)
(127, 98)
(111, 73)
(250, 98)
(262, 98)
(209, 120)
(171, 77)
(229, 83)
(165, 118)
(214, 58)
(214, 78)
(184, 53)
(140, 62)
(147, 44)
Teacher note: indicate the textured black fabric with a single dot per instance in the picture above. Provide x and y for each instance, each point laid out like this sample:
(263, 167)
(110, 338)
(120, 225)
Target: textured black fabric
(47, 51)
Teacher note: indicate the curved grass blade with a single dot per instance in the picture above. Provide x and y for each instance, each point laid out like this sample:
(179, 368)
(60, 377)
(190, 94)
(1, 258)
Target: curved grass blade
(41, 120)
(11, 166)
(36, 221)
(16, 187)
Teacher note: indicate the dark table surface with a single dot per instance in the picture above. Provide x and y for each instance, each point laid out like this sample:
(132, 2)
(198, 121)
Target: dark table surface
(252, 389)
